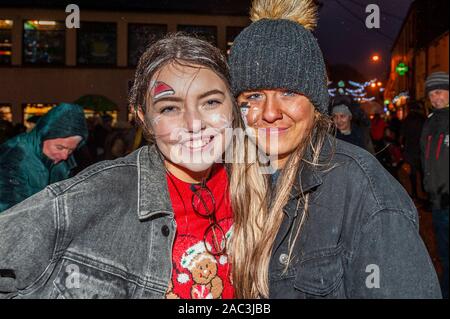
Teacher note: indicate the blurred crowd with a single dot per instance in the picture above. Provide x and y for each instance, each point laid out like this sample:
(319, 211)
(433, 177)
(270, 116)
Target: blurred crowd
(108, 141)
(394, 142)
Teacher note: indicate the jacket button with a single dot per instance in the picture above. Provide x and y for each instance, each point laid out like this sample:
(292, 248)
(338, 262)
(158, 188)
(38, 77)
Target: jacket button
(165, 230)
(284, 259)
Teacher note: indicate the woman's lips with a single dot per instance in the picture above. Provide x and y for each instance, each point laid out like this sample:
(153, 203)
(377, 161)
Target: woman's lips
(198, 144)
(274, 130)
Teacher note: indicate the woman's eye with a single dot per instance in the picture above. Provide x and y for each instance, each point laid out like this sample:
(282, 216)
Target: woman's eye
(168, 109)
(212, 103)
(254, 96)
(289, 93)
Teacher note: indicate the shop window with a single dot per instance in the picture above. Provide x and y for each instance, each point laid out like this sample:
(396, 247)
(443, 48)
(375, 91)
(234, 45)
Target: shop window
(97, 44)
(207, 33)
(44, 42)
(5, 41)
(140, 36)
(33, 111)
(232, 33)
(91, 115)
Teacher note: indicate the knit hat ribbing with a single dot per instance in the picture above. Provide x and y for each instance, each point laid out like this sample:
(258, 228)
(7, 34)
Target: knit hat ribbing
(279, 54)
(437, 81)
(341, 109)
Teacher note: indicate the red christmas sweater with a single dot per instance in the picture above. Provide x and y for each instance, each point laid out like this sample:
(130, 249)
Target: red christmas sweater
(198, 274)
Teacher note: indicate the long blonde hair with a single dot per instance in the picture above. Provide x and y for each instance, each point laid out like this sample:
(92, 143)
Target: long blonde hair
(258, 210)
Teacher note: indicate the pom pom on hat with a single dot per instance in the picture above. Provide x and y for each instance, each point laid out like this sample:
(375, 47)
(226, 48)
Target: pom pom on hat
(304, 12)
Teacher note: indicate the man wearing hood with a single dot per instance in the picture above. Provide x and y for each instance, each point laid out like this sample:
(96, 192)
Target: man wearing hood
(31, 161)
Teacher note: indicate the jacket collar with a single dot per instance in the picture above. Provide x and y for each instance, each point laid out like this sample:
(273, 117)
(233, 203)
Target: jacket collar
(153, 192)
(310, 177)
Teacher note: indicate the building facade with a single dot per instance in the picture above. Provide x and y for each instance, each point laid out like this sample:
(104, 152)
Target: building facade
(42, 62)
(421, 48)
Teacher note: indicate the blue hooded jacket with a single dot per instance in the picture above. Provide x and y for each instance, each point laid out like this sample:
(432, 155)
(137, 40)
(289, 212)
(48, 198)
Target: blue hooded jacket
(24, 169)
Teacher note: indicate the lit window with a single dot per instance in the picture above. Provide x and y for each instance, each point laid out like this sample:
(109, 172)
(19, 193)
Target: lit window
(232, 33)
(140, 36)
(207, 33)
(33, 111)
(97, 43)
(5, 41)
(44, 42)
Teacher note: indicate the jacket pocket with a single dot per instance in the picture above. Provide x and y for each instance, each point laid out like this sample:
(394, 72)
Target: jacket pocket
(320, 275)
(77, 280)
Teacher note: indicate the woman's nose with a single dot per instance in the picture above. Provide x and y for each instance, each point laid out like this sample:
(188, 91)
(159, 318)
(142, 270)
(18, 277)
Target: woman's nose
(271, 110)
(194, 122)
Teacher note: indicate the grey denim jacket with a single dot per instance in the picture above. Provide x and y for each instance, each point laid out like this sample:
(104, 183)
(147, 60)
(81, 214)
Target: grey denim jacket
(108, 233)
(361, 235)
(105, 233)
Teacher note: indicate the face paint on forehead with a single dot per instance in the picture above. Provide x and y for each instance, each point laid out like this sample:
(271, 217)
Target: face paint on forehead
(160, 89)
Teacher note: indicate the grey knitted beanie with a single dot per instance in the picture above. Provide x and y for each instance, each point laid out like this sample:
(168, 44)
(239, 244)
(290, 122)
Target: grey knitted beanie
(279, 54)
(436, 81)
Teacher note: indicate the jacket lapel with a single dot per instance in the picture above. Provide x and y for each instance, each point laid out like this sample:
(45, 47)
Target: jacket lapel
(153, 193)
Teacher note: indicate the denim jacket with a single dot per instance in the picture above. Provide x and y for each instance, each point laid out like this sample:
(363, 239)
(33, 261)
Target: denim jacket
(360, 238)
(106, 233)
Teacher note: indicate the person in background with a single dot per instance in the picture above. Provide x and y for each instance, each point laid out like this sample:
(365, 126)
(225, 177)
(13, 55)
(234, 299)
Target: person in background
(377, 128)
(101, 131)
(395, 124)
(31, 161)
(410, 139)
(392, 156)
(6, 129)
(434, 144)
(119, 141)
(32, 122)
(359, 118)
(19, 128)
(342, 118)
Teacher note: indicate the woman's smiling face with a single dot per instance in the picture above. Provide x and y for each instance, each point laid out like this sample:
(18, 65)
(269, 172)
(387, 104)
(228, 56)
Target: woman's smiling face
(280, 120)
(189, 108)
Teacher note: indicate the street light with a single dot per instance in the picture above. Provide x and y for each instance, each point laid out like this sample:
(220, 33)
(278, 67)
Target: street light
(376, 58)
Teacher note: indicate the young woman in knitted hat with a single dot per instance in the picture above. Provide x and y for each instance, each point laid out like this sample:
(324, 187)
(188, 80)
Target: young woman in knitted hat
(330, 222)
(154, 224)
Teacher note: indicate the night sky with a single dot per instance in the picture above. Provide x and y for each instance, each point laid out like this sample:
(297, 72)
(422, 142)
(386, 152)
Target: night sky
(344, 38)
